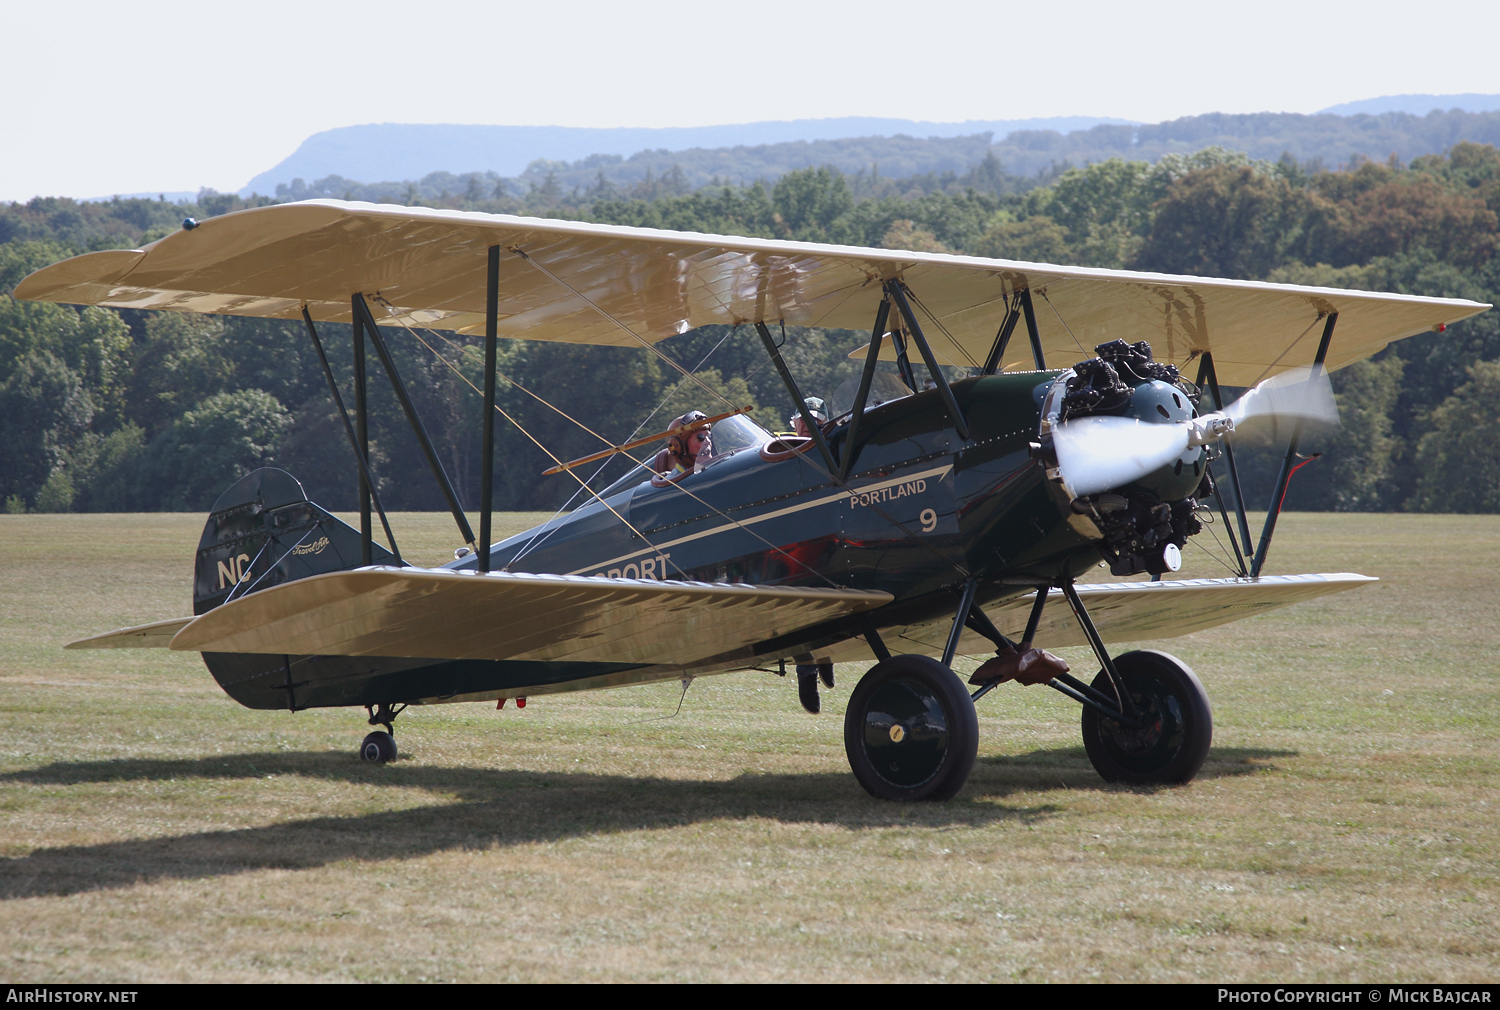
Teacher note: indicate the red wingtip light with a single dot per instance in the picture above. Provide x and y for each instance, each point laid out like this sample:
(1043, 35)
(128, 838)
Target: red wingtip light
(520, 703)
(1441, 327)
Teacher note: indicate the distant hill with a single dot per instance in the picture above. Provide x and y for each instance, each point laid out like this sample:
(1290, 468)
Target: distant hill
(411, 151)
(893, 157)
(391, 158)
(1323, 139)
(1417, 105)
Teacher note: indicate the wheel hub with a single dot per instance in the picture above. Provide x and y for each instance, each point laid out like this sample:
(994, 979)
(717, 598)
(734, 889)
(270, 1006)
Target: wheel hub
(1147, 731)
(906, 732)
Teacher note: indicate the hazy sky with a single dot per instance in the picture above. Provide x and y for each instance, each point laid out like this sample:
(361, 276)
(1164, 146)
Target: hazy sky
(173, 96)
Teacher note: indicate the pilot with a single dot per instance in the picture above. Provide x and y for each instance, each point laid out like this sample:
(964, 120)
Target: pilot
(687, 450)
(817, 409)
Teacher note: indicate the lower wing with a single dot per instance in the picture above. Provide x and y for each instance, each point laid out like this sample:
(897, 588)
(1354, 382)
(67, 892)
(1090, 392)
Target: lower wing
(1132, 611)
(441, 614)
(507, 616)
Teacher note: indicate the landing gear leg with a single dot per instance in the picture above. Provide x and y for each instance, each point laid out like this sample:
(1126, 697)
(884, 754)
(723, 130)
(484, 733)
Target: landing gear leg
(380, 747)
(1146, 719)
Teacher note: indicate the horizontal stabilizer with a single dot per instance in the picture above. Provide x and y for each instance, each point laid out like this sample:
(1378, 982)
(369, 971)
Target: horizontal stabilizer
(157, 635)
(443, 614)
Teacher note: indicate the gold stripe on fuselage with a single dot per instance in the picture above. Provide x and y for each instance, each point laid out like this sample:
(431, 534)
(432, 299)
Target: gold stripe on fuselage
(864, 492)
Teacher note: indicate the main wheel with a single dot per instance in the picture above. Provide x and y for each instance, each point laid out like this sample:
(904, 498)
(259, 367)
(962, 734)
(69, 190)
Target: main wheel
(1176, 727)
(378, 748)
(910, 730)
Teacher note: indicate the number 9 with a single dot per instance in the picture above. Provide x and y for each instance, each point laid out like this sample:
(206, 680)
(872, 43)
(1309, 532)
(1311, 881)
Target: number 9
(929, 520)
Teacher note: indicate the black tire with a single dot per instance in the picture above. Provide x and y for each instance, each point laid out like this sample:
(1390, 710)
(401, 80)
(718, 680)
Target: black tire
(910, 730)
(378, 748)
(1176, 730)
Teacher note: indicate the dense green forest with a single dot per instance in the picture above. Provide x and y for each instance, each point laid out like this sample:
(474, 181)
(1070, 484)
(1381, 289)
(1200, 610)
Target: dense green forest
(124, 411)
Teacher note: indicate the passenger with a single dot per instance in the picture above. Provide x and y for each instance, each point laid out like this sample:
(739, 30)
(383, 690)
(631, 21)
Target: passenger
(687, 450)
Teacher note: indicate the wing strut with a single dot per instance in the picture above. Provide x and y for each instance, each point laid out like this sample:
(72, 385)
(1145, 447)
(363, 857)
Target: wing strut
(1279, 495)
(813, 427)
(364, 320)
(872, 357)
(362, 424)
(1002, 338)
(1206, 371)
(338, 401)
(487, 465)
(903, 363)
(897, 291)
(1035, 334)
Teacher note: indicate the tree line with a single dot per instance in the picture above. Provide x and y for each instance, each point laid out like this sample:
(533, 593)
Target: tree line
(105, 410)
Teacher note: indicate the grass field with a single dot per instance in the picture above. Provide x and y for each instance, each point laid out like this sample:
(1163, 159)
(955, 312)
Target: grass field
(1344, 827)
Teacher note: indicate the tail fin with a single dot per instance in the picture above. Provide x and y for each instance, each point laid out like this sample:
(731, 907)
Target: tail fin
(262, 532)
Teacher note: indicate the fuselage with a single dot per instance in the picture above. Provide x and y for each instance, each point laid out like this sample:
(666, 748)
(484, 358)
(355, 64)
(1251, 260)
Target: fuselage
(921, 510)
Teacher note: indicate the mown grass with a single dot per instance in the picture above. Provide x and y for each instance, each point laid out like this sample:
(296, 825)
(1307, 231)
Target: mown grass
(1343, 828)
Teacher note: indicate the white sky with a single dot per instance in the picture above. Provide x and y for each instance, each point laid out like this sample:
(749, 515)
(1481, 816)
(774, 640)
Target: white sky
(158, 95)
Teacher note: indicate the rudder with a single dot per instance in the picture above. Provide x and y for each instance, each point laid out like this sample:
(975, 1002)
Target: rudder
(262, 532)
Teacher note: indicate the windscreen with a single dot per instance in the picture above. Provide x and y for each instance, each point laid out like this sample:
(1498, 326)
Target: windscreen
(731, 435)
(736, 433)
(884, 387)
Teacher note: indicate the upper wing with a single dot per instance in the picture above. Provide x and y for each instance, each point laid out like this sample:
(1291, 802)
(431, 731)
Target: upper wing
(428, 267)
(1134, 611)
(503, 616)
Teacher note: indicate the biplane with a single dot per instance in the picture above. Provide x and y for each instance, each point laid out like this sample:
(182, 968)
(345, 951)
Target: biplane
(949, 508)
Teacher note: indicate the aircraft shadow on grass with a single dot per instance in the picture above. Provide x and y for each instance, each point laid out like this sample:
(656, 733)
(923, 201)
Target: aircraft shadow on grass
(500, 808)
(1069, 768)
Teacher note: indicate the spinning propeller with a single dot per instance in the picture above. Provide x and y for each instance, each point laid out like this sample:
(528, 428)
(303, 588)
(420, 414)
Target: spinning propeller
(1102, 452)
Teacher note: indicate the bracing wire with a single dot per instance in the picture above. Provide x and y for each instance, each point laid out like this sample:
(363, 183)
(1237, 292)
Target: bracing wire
(534, 440)
(509, 381)
(912, 297)
(583, 484)
(719, 396)
(638, 338)
(537, 539)
(250, 588)
(1222, 549)
(544, 531)
(1288, 350)
(1043, 293)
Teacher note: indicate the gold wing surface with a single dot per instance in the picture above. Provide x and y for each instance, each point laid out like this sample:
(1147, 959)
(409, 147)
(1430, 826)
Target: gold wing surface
(1130, 611)
(427, 267)
(504, 616)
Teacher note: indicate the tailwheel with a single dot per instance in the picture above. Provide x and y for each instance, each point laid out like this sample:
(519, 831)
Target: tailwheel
(1171, 739)
(910, 730)
(378, 748)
